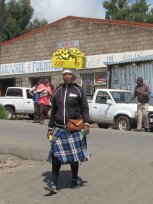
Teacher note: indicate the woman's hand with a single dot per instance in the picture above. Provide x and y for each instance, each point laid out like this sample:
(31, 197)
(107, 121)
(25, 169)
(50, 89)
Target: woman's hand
(86, 127)
(50, 132)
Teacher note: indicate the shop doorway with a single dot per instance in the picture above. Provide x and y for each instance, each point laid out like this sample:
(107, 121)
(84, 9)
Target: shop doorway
(88, 85)
(4, 84)
(34, 81)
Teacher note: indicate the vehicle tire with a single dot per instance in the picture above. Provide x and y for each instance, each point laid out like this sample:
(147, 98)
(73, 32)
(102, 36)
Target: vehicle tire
(31, 116)
(123, 123)
(151, 129)
(9, 112)
(103, 125)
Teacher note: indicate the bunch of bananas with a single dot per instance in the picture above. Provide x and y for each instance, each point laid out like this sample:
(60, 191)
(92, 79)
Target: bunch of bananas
(64, 54)
(76, 52)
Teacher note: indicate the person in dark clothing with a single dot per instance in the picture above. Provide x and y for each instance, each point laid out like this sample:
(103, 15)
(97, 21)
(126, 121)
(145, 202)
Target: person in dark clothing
(142, 92)
(69, 102)
(35, 96)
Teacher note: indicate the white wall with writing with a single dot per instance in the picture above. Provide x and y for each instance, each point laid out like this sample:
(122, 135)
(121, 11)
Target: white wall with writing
(93, 61)
(27, 67)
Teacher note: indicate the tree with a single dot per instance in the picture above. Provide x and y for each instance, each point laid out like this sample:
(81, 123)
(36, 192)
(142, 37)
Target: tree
(36, 23)
(17, 19)
(2, 7)
(130, 10)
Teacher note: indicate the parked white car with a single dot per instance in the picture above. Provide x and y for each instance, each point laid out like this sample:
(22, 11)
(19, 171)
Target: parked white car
(115, 107)
(17, 100)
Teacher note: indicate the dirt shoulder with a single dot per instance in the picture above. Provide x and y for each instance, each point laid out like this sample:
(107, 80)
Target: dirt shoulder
(11, 163)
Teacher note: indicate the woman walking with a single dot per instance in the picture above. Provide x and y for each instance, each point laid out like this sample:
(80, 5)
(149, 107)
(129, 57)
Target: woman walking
(68, 146)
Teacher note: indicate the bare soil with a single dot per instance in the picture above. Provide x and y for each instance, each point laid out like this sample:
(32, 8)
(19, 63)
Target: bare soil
(11, 163)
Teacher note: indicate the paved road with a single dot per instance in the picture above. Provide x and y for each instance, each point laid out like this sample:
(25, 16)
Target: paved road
(119, 172)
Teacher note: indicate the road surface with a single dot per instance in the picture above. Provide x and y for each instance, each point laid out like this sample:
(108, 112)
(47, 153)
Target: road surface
(119, 172)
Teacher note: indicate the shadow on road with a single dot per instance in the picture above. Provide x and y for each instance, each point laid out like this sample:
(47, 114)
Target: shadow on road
(64, 180)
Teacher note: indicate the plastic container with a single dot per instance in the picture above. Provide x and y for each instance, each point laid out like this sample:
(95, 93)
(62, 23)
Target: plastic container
(50, 138)
(80, 62)
(63, 63)
(83, 132)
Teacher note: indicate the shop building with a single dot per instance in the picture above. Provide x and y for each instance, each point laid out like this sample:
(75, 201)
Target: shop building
(123, 73)
(26, 59)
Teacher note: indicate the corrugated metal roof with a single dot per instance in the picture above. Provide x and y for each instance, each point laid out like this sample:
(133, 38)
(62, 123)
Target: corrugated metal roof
(136, 59)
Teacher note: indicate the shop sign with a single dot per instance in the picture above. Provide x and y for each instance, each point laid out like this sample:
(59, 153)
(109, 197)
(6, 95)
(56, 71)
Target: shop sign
(101, 78)
(68, 44)
(100, 61)
(95, 61)
(27, 67)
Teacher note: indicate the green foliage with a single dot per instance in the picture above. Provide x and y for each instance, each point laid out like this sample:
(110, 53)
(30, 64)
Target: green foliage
(150, 17)
(36, 23)
(139, 11)
(17, 19)
(123, 10)
(3, 114)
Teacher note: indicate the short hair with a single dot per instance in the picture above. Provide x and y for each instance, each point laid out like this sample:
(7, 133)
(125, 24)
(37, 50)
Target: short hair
(140, 79)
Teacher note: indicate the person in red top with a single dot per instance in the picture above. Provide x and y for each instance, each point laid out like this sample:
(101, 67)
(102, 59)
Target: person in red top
(45, 92)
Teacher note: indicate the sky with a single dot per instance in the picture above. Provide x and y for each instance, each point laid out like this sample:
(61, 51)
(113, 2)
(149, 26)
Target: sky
(52, 10)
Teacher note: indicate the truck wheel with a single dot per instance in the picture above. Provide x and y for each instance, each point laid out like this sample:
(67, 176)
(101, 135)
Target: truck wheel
(151, 129)
(103, 125)
(9, 112)
(123, 123)
(31, 116)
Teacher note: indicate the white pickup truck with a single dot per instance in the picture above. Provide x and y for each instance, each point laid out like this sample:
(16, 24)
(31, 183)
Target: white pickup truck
(17, 100)
(114, 107)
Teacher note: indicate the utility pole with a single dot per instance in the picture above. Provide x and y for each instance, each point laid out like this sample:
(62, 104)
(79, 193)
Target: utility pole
(2, 10)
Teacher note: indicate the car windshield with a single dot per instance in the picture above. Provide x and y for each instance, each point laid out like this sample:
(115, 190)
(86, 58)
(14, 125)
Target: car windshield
(122, 97)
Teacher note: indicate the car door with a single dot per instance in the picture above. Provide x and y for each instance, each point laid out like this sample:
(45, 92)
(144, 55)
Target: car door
(28, 102)
(100, 107)
(15, 97)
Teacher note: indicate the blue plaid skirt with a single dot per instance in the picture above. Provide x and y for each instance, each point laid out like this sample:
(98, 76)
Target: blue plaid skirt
(68, 147)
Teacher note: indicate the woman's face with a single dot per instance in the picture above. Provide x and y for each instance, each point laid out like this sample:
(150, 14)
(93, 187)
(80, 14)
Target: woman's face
(46, 82)
(68, 78)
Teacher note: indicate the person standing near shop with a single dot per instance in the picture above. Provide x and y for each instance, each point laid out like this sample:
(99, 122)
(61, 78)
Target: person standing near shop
(68, 147)
(35, 96)
(142, 92)
(44, 93)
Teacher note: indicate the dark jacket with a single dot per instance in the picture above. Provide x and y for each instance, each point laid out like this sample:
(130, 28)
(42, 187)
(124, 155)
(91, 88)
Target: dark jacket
(142, 93)
(69, 102)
